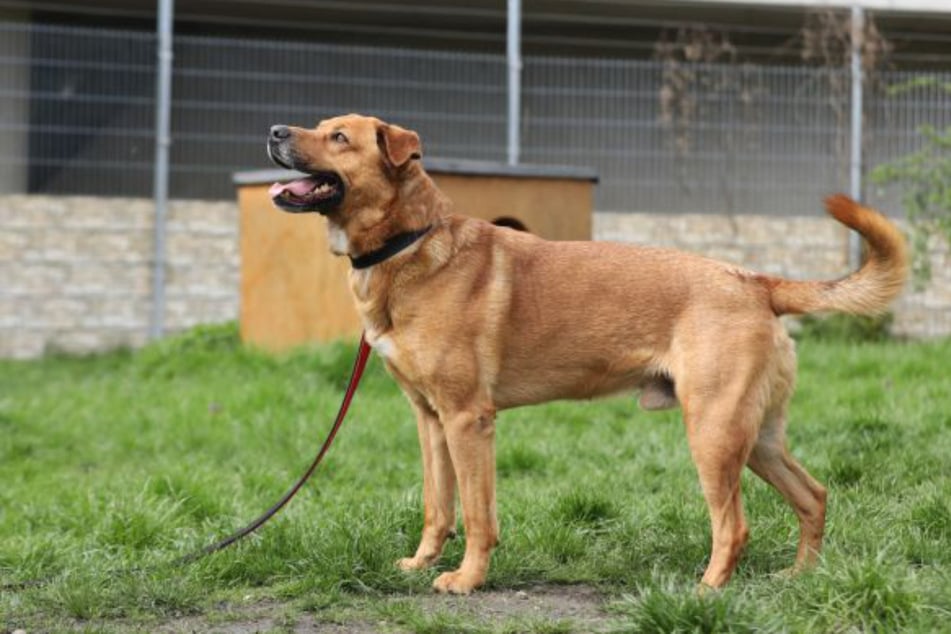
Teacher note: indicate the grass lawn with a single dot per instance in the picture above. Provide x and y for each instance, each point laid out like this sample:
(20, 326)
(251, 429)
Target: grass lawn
(127, 460)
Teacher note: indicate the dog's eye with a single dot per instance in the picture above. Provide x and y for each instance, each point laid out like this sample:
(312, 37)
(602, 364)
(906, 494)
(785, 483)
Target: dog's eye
(340, 137)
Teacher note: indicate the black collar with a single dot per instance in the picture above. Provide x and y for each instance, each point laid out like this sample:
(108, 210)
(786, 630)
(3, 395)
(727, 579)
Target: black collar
(390, 248)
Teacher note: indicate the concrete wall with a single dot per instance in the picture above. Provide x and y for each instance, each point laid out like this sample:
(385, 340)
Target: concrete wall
(75, 272)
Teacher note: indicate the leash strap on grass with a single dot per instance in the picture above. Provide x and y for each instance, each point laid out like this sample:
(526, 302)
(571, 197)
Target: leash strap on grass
(363, 353)
(359, 364)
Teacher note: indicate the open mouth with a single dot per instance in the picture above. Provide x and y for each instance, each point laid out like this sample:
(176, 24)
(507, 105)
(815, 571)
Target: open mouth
(321, 192)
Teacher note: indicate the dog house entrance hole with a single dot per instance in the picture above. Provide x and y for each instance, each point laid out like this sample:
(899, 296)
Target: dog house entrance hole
(510, 222)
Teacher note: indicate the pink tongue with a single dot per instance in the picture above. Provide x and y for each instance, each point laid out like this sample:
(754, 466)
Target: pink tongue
(300, 187)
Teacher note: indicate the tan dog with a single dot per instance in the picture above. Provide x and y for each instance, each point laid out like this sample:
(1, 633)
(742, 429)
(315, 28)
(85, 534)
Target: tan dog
(471, 319)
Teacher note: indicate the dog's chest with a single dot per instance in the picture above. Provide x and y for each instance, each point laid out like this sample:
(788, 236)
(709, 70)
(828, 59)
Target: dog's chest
(383, 345)
(404, 358)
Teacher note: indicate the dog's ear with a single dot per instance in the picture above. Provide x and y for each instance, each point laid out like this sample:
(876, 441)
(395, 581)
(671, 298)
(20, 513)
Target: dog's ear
(398, 145)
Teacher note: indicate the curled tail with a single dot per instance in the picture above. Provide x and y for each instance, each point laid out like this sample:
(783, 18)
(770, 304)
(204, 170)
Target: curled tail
(868, 290)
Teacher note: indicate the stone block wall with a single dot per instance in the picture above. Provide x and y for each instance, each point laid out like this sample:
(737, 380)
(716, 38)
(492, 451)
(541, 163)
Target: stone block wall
(76, 272)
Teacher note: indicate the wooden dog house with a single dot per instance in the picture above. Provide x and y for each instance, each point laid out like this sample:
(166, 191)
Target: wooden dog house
(294, 291)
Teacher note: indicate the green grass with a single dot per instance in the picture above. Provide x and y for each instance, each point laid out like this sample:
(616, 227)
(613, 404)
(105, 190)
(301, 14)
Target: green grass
(114, 464)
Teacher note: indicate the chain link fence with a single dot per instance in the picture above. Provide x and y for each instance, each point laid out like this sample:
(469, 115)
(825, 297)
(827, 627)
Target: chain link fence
(77, 117)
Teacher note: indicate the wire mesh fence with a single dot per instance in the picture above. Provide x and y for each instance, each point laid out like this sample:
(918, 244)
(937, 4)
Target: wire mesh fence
(905, 104)
(76, 110)
(701, 138)
(229, 92)
(77, 113)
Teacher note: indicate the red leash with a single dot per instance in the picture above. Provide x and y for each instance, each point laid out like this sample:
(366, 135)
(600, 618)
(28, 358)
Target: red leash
(363, 353)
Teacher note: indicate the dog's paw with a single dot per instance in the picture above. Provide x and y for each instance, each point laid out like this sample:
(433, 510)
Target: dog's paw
(456, 583)
(410, 564)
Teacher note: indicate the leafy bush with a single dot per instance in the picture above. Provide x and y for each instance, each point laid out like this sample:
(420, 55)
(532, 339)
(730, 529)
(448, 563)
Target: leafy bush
(925, 179)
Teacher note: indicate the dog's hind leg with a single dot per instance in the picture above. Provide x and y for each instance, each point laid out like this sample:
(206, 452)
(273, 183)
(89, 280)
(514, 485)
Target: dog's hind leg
(721, 431)
(439, 490)
(771, 461)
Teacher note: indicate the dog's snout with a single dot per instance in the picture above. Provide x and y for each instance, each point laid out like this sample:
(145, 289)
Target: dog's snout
(280, 132)
(278, 145)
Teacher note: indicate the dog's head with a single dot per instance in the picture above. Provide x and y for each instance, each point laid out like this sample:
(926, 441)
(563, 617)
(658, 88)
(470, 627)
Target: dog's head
(352, 163)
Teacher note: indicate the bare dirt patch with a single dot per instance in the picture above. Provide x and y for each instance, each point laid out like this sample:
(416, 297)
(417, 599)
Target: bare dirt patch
(581, 606)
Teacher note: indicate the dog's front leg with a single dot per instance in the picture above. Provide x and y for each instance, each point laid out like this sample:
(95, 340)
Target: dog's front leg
(470, 436)
(439, 490)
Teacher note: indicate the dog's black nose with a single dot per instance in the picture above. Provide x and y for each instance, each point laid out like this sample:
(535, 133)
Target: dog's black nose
(280, 132)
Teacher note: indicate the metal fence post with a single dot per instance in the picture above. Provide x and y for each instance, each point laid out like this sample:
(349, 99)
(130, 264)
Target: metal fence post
(163, 140)
(855, 158)
(514, 54)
